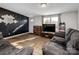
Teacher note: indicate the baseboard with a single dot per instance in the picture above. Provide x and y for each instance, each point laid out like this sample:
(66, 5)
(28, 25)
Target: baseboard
(31, 33)
(15, 35)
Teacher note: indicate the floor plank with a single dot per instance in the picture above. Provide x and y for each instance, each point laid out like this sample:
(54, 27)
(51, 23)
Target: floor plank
(32, 40)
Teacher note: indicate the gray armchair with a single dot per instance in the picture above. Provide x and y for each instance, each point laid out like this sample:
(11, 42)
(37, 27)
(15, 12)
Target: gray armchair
(7, 49)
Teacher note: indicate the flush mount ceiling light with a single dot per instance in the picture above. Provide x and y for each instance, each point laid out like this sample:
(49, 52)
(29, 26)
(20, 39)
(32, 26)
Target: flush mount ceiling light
(43, 5)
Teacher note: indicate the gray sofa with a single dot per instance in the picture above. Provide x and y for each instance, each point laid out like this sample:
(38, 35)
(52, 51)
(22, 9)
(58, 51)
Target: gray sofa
(7, 49)
(63, 46)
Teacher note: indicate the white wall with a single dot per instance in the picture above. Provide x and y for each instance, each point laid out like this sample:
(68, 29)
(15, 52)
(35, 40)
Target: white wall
(71, 19)
(37, 21)
(78, 19)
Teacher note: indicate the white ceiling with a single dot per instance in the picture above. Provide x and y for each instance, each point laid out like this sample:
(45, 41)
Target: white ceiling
(33, 9)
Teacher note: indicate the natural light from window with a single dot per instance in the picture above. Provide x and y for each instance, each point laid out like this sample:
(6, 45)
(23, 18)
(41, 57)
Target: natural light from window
(51, 20)
(46, 20)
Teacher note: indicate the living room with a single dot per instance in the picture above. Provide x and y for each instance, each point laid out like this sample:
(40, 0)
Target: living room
(39, 28)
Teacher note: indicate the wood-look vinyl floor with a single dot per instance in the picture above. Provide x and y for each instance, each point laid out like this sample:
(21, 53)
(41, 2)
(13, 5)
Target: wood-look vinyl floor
(32, 40)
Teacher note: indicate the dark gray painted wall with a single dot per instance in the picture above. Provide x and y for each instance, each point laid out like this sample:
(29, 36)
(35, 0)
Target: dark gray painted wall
(10, 29)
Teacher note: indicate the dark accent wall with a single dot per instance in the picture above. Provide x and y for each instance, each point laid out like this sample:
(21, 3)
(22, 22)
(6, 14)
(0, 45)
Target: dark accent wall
(8, 26)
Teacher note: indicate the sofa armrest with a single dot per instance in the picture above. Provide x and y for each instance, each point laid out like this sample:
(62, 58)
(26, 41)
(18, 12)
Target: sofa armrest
(58, 40)
(60, 34)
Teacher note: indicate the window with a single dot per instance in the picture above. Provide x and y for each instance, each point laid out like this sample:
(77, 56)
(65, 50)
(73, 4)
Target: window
(46, 20)
(52, 20)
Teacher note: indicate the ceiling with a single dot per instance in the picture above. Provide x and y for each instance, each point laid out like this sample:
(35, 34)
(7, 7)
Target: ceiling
(33, 9)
